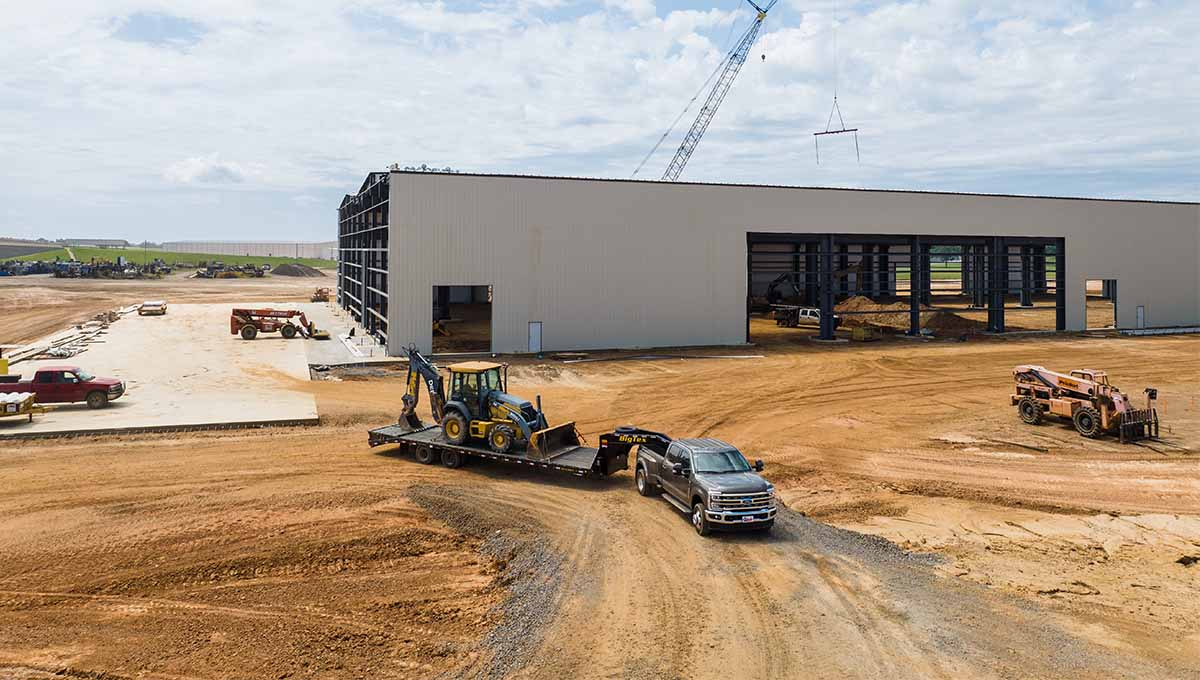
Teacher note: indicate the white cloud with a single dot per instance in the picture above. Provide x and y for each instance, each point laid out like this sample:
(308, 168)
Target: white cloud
(207, 169)
(303, 98)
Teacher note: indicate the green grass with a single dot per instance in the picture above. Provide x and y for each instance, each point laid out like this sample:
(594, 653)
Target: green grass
(139, 256)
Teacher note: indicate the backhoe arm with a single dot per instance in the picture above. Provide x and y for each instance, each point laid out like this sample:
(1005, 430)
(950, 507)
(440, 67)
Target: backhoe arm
(421, 370)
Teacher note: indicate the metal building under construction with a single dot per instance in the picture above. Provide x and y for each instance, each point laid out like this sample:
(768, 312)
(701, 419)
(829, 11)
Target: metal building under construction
(569, 263)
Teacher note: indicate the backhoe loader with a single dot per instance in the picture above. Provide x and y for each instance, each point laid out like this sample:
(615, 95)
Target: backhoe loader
(479, 408)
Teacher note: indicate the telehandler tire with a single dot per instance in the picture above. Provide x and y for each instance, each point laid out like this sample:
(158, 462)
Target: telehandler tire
(501, 438)
(288, 331)
(249, 332)
(454, 426)
(1087, 421)
(1030, 410)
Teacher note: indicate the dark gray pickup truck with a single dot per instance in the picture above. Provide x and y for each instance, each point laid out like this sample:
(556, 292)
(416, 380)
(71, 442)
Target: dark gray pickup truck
(706, 478)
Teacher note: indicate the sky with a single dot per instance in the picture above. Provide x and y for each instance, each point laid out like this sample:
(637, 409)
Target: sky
(250, 119)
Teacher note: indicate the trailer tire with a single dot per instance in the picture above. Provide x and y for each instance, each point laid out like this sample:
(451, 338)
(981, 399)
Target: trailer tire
(700, 520)
(452, 458)
(644, 486)
(424, 455)
(1087, 421)
(249, 332)
(288, 331)
(1030, 411)
(97, 400)
(500, 439)
(454, 426)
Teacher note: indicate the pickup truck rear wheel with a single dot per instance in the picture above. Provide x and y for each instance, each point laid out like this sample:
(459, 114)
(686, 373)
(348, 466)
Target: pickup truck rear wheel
(644, 485)
(700, 520)
(97, 400)
(249, 332)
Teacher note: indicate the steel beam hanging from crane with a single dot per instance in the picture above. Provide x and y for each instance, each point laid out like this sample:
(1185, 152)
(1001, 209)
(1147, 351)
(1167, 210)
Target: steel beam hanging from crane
(733, 64)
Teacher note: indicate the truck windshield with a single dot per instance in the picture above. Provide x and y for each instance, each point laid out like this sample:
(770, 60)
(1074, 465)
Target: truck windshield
(84, 376)
(720, 461)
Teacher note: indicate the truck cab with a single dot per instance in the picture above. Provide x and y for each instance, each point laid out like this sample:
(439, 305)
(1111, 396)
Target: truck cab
(708, 479)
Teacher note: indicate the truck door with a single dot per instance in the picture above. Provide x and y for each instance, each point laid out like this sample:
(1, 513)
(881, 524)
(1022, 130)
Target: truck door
(47, 386)
(676, 485)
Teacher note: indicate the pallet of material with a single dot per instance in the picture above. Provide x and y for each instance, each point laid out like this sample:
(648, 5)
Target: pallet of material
(19, 404)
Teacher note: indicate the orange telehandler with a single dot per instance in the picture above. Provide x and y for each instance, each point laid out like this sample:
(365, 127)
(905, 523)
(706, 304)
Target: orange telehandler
(1086, 398)
(250, 322)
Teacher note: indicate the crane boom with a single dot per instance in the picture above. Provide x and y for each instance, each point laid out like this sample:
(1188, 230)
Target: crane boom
(733, 64)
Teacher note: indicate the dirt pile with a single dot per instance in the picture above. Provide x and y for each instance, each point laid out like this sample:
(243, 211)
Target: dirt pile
(895, 315)
(297, 269)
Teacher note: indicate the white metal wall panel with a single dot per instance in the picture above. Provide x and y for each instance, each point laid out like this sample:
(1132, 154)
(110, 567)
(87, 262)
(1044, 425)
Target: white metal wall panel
(607, 264)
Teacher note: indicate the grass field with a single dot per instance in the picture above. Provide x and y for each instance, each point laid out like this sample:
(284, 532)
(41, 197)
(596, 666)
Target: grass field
(140, 256)
(946, 271)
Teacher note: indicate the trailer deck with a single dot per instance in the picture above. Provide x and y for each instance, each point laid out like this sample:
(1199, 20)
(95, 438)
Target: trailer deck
(428, 444)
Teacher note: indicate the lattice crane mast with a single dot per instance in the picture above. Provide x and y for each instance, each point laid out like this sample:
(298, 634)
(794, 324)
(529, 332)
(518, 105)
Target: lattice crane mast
(732, 65)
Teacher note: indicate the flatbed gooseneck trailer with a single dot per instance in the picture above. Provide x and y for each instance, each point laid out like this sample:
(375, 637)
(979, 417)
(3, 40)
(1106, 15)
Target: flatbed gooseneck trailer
(429, 445)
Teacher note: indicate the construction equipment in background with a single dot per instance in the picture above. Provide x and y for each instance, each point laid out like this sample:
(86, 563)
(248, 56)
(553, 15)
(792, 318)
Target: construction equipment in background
(478, 407)
(250, 322)
(320, 295)
(1087, 399)
(152, 308)
(728, 69)
(440, 330)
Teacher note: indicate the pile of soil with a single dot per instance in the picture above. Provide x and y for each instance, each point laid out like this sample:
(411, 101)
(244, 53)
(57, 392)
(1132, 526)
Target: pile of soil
(895, 315)
(290, 269)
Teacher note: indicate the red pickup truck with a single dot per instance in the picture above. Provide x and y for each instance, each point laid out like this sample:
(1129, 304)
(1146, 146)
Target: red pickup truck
(66, 384)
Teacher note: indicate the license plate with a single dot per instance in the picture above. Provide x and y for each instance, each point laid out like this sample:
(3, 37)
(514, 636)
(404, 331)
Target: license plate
(747, 519)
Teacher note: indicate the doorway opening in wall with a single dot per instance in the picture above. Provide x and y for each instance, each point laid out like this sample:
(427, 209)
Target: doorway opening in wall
(462, 319)
(1101, 304)
(871, 286)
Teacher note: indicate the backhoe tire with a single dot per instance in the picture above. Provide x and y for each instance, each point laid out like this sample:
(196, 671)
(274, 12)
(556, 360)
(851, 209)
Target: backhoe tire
(700, 520)
(288, 331)
(454, 426)
(452, 459)
(1087, 421)
(97, 400)
(642, 480)
(1030, 411)
(500, 439)
(249, 332)
(424, 455)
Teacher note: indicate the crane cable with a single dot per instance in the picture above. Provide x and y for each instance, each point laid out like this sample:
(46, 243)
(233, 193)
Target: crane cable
(690, 102)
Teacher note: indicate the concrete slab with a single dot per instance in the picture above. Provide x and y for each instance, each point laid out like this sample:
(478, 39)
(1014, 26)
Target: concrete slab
(185, 369)
(341, 349)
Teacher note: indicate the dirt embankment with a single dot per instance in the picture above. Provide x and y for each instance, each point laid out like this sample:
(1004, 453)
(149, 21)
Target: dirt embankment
(896, 316)
(296, 269)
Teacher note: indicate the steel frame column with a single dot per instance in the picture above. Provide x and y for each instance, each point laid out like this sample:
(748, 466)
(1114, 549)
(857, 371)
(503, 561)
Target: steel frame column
(916, 284)
(998, 268)
(1026, 276)
(866, 271)
(1060, 287)
(827, 282)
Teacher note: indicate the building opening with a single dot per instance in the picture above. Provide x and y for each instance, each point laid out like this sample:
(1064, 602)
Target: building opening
(868, 286)
(1101, 303)
(462, 319)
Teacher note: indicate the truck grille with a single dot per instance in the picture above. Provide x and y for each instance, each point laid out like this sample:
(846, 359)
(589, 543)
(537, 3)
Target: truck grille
(743, 501)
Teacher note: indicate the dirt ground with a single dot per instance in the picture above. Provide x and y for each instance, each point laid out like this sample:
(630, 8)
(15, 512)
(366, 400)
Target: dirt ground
(36, 306)
(928, 533)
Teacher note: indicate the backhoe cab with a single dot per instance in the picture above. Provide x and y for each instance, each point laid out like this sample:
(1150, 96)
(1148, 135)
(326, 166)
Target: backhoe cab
(479, 407)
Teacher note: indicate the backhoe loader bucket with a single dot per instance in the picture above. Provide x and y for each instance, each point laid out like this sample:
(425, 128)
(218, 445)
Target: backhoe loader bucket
(554, 441)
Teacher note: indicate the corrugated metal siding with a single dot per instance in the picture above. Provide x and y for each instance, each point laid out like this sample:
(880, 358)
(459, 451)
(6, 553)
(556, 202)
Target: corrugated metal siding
(628, 264)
